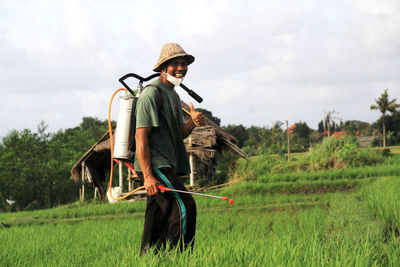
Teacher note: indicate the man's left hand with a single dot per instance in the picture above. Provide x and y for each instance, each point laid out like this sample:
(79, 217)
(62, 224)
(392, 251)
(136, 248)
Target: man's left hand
(197, 117)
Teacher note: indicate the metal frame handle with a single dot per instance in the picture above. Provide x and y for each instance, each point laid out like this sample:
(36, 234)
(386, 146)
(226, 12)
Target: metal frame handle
(142, 79)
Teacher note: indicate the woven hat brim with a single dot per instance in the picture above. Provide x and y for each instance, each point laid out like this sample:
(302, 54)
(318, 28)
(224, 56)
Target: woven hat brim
(189, 60)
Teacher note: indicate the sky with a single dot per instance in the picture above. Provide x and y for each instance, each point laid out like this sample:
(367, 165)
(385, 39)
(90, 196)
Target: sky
(257, 62)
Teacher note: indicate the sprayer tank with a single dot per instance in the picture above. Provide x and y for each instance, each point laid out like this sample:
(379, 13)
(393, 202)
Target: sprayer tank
(123, 136)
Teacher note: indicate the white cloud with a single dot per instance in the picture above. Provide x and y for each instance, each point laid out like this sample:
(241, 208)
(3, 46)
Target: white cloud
(256, 61)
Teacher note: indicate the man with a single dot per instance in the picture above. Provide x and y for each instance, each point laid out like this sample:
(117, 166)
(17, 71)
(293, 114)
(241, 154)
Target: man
(161, 154)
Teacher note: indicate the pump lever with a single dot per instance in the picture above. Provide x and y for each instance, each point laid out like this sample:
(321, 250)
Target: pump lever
(141, 80)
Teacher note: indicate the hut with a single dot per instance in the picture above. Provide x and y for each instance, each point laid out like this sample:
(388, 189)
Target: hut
(93, 166)
(201, 145)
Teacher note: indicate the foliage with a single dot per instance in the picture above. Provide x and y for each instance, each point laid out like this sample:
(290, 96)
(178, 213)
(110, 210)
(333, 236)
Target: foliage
(384, 200)
(332, 153)
(317, 218)
(255, 166)
(384, 105)
(341, 152)
(352, 173)
(35, 166)
(302, 130)
(293, 187)
(392, 127)
(321, 127)
(238, 131)
(225, 167)
(265, 140)
(354, 126)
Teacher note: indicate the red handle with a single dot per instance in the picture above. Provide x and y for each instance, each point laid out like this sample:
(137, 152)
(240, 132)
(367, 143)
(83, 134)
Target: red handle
(163, 188)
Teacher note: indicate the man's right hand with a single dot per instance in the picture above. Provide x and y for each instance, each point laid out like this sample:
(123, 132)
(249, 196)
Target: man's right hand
(150, 184)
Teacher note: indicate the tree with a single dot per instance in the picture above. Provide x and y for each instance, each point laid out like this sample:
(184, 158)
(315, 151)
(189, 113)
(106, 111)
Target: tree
(302, 129)
(238, 131)
(384, 105)
(321, 127)
(255, 136)
(35, 166)
(392, 124)
(354, 126)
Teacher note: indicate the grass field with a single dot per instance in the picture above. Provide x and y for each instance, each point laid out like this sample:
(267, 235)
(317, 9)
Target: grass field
(308, 219)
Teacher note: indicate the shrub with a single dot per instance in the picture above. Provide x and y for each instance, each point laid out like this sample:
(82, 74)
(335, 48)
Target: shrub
(255, 166)
(332, 153)
(327, 160)
(341, 152)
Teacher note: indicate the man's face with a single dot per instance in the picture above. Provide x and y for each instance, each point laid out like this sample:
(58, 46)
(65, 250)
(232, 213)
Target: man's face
(177, 67)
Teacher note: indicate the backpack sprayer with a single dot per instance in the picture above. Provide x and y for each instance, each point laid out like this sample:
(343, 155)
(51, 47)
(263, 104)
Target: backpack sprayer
(124, 147)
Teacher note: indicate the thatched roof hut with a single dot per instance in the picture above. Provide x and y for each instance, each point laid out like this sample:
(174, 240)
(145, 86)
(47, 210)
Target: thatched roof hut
(94, 164)
(201, 145)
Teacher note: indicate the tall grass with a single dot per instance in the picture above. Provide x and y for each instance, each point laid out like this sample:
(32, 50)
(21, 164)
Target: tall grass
(76, 210)
(335, 174)
(278, 219)
(255, 166)
(383, 197)
(298, 187)
(264, 169)
(252, 235)
(260, 229)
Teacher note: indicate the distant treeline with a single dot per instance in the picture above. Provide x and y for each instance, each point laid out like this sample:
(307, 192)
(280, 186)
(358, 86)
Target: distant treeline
(35, 166)
(257, 140)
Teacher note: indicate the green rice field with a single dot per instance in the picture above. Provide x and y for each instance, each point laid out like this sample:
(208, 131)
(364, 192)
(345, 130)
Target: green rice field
(345, 217)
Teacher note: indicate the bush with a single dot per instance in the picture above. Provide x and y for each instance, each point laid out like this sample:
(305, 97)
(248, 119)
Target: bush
(327, 160)
(295, 165)
(255, 166)
(339, 153)
(226, 165)
(332, 153)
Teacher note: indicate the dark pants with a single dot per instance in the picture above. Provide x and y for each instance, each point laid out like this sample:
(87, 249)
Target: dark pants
(170, 216)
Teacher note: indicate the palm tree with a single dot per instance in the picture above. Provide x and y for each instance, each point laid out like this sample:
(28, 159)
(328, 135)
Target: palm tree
(383, 104)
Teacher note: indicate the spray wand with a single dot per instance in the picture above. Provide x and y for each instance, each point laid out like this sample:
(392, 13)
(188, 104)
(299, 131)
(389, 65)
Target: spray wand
(163, 189)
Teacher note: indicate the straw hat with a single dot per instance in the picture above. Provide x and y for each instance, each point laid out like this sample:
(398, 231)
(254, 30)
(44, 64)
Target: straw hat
(170, 51)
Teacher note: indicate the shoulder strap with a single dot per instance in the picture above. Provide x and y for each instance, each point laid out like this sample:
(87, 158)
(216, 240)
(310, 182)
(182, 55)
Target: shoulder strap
(159, 93)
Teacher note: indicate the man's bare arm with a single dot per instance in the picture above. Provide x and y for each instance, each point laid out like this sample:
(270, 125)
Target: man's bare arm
(187, 128)
(143, 156)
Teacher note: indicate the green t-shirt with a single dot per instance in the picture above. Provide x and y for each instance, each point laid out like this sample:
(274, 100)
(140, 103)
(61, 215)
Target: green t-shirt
(165, 140)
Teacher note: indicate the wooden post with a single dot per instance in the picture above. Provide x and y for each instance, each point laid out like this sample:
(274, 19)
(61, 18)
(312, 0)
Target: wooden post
(191, 163)
(329, 127)
(96, 191)
(82, 196)
(130, 186)
(288, 140)
(121, 175)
